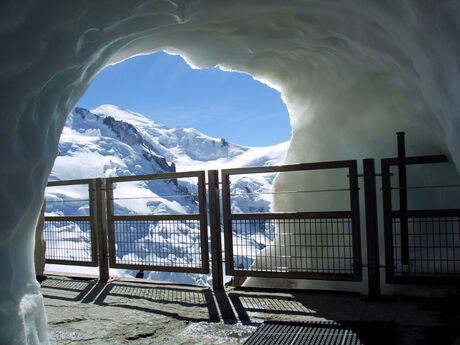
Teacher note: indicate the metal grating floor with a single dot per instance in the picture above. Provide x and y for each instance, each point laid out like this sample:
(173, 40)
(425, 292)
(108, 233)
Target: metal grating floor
(314, 333)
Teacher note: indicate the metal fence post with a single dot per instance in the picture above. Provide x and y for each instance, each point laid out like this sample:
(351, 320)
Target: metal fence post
(101, 226)
(370, 197)
(214, 223)
(403, 198)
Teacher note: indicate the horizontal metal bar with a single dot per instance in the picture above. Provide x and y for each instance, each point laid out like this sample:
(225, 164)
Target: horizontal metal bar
(429, 187)
(166, 176)
(68, 200)
(289, 167)
(67, 218)
(161, 268)
(425, 280)
(158, 197)
(429, 213)
(68, 182)
(71, 262)
(157, 217)
(291, 215)
(296, 191)
(296, 275)
(418, 160)
(376, 174)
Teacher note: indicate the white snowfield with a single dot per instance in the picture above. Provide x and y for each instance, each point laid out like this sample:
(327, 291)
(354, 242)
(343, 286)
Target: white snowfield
(88, 148)
(351, 73)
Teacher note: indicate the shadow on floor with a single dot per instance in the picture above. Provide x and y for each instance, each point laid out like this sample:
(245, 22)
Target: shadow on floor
(324, 332)
(386, 321)
(66, 289)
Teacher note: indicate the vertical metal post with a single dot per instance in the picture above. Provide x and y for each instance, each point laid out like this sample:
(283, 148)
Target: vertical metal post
(110, 223)
(203, 220)
(370, 197)
(387, 220)
(214, 222)
(356, 226)
(92, 189)
(101, 225)
(403, 199)
(226, 217)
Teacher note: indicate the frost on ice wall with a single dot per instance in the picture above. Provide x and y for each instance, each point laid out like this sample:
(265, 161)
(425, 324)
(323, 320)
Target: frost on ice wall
(352, 73)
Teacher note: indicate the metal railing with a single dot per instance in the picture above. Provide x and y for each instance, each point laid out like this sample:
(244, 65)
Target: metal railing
(421, 246)
(306, 245)
(158, 242)
(71, 240)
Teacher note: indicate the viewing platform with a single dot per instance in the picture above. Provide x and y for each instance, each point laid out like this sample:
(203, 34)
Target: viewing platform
(135, 311)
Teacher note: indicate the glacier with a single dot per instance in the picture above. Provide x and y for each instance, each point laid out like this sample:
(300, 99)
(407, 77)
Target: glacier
(351, 73)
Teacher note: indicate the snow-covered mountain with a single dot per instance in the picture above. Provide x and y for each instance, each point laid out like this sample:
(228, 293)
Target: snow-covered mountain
(109, 141)
(117, 142)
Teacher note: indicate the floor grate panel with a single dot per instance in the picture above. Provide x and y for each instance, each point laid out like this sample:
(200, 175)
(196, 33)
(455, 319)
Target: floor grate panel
(323, 333)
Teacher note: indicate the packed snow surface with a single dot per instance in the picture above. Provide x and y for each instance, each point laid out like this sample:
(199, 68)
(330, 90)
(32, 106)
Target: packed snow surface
(351, 73)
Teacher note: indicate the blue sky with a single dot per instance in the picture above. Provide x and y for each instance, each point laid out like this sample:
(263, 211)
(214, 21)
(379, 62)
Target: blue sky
(220, 104)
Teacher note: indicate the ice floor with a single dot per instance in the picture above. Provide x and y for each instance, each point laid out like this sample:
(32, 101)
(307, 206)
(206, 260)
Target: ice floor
(83, 311)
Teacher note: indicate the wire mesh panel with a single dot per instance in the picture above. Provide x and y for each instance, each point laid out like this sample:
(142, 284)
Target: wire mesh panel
(165, 243)
(434, 247)
(68, 240)
(69, 227)
(148, 230)
(428, 250)
(309, 245)
(314, 245)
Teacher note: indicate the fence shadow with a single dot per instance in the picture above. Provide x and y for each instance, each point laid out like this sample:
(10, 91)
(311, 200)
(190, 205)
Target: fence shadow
(67, 289)
(245, 303)
(373, 322)
(184, 303)
(308, 316)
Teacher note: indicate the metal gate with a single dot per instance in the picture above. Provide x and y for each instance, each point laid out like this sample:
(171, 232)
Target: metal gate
(175, 240)
(71, 239)
(309, 245)
(421, 246)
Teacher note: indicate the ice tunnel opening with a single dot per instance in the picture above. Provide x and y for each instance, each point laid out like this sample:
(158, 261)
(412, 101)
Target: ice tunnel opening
(368, 69)
(163, 101)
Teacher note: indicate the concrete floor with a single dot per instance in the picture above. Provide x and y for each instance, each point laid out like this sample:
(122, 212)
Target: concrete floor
(83, 311)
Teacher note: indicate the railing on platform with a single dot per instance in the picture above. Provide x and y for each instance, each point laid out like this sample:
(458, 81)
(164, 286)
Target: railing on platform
(307, 245)
(98, 227)
(158, 242)
(421, 246)
(71, 239)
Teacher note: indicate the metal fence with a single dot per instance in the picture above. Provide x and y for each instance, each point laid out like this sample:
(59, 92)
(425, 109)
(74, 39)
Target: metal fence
(308, 245)
(71, 239)
(96, 227)
(158, 242)
(421, 246)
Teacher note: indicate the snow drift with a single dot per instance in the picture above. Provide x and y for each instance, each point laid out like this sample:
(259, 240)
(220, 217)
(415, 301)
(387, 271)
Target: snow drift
(350, 72)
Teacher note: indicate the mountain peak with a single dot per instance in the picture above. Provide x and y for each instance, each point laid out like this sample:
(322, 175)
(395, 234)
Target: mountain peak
(117, 141)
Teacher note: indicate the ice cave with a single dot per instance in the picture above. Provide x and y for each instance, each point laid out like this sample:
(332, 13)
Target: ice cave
(352, 73)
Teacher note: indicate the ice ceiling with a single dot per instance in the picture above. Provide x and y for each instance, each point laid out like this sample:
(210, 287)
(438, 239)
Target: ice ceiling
(351, 72)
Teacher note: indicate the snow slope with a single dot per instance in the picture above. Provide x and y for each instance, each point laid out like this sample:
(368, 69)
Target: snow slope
(118, 142)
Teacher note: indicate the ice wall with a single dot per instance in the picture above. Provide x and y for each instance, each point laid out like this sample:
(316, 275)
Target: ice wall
(352, 73)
